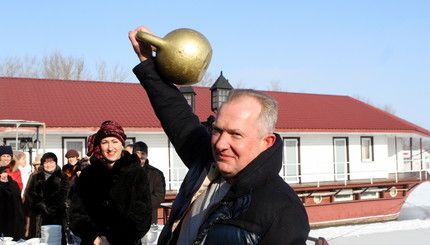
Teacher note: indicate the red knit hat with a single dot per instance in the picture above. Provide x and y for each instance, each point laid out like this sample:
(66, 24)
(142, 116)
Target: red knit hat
(107, 129)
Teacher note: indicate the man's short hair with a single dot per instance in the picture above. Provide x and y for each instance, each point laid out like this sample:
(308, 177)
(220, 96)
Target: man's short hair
(269, 107)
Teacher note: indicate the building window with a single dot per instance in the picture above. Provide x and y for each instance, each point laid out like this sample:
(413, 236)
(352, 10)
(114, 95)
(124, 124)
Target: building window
(366, 149)
(177, 170)
(75, 143)
(190, 100)
(291, 161)
(13, 144)
(129, 141)
(371, 193)
(343, 195)
(218, 97)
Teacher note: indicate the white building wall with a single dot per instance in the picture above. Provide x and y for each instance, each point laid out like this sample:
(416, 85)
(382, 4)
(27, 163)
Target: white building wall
(316, 155)
(317, 163)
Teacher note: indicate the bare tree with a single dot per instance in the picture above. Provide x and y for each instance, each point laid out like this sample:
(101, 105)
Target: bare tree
(275, 86)
(57, 66)
(387, 107)
(101, 71)
(18, 67)
(207, 80)
(239, 84)
(117, 74)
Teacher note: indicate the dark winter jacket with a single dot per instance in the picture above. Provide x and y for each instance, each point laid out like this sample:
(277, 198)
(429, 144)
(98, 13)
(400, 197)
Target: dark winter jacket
(260, 207)
(157, 186)
(71, 170)
(12, 221)
(45, 200)
(111, 202)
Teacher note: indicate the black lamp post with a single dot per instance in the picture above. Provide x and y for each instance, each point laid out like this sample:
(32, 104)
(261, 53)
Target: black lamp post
(219, 92)
(27, 143)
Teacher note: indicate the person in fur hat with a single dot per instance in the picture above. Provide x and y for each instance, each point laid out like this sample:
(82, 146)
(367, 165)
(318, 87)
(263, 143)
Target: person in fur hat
(12, 219)
(72, 166)
(111, 203)
(45, 198)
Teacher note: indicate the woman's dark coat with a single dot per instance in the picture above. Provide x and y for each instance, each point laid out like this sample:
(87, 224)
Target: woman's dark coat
(12, 221)
(115, 202)
(45, 201)
(259, 208)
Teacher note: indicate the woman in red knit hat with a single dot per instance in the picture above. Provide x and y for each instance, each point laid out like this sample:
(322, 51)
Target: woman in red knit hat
(110, 201)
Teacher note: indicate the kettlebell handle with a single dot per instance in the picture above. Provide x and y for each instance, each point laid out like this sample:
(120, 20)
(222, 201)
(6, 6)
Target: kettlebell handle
(150, 39)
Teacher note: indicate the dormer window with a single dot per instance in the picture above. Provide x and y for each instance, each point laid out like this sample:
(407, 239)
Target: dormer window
(189, 95)
(219, 92)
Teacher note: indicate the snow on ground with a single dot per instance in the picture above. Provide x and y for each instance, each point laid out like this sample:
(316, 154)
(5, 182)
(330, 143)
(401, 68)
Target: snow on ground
(412, 226)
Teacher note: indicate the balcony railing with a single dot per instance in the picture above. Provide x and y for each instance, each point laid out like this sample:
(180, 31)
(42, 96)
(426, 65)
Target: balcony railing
(415, 170)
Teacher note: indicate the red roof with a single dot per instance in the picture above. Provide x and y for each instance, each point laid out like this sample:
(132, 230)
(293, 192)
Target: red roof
(65, 103)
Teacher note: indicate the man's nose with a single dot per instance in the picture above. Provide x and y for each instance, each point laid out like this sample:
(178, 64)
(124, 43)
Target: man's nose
(221, 142)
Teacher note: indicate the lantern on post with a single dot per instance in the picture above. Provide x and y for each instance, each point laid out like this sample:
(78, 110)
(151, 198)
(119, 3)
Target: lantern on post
(219, 92)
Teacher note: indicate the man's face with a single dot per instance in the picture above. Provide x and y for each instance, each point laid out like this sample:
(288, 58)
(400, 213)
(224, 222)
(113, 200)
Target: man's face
(236, 138)
(6, 158)
(142, 156)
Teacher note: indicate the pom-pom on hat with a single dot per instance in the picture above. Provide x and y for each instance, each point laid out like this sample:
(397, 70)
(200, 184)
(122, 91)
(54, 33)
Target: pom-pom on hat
(107, 129)
(6, 149)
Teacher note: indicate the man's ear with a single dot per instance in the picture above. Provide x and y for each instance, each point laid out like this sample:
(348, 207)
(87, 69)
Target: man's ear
(269, 140)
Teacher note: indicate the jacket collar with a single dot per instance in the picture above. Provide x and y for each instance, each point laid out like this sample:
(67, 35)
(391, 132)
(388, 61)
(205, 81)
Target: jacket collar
(264, 167)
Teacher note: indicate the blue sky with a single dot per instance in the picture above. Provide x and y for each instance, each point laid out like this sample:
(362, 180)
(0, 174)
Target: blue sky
(378, 51)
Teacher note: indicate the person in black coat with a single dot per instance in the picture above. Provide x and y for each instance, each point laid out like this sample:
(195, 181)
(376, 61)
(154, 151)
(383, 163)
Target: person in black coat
(232, 193)
(45, 197)
(157, 183)
(12, 221)
(111, 203)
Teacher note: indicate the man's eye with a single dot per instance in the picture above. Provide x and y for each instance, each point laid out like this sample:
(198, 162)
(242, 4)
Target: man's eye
(216, 131)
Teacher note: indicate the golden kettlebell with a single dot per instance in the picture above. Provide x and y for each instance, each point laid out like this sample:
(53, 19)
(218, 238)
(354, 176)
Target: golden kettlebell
(182, 56)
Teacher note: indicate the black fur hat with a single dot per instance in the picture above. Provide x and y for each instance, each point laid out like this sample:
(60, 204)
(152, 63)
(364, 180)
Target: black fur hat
(48, 155)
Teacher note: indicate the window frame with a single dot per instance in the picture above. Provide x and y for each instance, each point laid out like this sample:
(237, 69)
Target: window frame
(370, 150)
